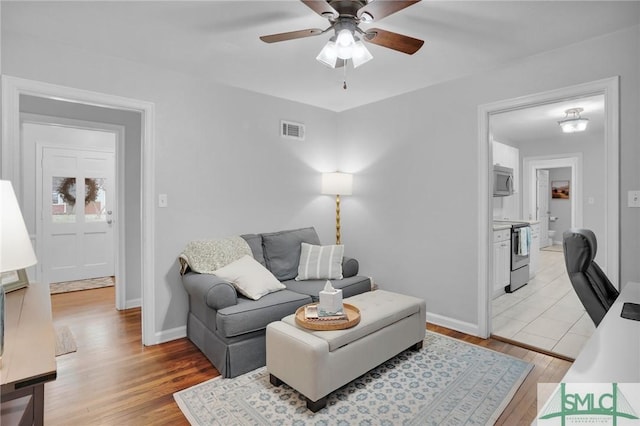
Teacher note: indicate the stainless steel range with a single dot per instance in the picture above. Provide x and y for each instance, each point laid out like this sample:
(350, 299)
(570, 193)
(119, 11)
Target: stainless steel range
(520, 245)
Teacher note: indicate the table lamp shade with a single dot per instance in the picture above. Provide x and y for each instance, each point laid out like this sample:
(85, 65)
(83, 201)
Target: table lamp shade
(16, 251)
(337, 183)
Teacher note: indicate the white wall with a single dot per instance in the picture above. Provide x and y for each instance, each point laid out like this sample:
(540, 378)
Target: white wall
(219, 156)
(417, 229)
(412, 219)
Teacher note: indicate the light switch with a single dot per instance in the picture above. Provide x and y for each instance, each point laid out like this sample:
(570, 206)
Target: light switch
(634, 198)
(162, 200)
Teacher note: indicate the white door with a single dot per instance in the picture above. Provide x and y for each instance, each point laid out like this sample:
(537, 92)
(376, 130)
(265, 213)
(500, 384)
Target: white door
(542, 205)
(77, 205)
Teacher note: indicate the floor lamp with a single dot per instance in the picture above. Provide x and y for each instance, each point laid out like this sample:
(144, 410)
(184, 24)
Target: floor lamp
(16, 251)
(337, 184)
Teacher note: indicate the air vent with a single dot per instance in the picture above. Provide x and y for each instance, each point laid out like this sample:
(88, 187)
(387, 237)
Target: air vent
(292, 130)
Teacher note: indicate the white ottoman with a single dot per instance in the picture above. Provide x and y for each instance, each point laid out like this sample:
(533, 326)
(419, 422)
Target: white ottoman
(315, 363)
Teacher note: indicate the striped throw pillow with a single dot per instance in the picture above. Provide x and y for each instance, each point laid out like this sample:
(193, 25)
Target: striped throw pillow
(320, 262)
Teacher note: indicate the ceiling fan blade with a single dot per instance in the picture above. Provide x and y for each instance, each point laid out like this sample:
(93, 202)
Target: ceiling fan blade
(376, 10)
(322, 8)
(395, 41)
(291, 35)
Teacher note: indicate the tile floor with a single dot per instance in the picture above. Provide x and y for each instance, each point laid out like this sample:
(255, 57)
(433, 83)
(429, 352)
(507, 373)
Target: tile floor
(546, 313)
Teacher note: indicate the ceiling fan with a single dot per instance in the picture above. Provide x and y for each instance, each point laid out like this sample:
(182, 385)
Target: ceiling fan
(345, 16)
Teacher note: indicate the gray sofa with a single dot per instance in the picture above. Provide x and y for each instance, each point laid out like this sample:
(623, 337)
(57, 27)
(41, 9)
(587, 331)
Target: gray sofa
(230, 328)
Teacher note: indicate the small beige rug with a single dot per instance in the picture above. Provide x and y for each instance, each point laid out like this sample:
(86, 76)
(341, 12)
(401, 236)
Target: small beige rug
(68, 286)
(65, 342)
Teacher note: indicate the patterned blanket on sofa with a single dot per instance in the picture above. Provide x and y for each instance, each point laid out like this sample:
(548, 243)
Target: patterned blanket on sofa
(207, 256)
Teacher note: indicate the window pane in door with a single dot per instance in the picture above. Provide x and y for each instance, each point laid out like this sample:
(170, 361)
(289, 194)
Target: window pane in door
(95, 208)
(63, 199)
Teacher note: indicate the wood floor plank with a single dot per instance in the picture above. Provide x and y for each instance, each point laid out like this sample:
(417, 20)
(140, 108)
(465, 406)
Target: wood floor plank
(112, 379)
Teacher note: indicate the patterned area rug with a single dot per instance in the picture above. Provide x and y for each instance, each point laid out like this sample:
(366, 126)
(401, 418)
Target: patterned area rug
(65, 342)
(68, 286)
(447, 382)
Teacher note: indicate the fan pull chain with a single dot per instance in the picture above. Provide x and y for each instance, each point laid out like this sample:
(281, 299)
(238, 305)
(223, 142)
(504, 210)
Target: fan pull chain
(344, 83)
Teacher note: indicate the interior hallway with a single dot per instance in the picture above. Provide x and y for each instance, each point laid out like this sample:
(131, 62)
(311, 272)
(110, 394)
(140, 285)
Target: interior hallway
(546, 313)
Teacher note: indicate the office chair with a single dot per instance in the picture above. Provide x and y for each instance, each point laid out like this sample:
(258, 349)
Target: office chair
(592, 286)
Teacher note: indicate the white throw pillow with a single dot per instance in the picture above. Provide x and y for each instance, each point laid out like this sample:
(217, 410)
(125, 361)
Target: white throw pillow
(320, 262)
(250, 278)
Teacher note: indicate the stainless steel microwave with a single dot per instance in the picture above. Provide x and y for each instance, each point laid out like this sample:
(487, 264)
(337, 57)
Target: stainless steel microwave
(502, 181)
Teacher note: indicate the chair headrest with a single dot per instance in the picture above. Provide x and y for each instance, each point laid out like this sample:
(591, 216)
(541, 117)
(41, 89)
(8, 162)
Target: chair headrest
(580, 248)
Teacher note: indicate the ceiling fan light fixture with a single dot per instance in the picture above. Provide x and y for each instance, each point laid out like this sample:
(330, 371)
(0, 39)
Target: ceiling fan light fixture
(572, 122)
(329, 54)
(345, 44)
(345, 38)
(361, 54)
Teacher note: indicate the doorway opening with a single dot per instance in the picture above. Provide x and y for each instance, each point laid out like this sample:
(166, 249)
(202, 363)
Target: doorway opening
(139, 242)
(77, 243)
(609, 89)
(538, 203)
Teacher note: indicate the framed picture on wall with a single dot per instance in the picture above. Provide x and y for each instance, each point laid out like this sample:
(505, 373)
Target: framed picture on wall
(560, 189)
(14, 280)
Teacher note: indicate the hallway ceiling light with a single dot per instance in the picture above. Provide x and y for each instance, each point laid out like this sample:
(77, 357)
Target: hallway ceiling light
(572, 121)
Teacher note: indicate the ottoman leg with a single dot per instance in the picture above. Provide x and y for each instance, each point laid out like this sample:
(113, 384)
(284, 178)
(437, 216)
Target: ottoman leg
(316, 405)
(418, 345)
(274, 380)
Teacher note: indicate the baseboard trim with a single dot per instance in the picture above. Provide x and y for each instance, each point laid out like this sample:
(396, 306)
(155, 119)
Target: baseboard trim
(133, 303)
(172, 334)
(454, 324)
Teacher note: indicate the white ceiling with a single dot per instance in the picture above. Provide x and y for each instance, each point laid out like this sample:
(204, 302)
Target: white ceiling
(540, 123)
(219, 40)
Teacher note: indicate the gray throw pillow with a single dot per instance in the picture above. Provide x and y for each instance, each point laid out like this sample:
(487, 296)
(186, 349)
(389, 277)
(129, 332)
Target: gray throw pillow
(282, 250)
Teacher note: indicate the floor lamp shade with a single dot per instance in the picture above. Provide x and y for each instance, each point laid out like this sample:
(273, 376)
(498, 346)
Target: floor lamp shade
(337, 183)
(16, 251)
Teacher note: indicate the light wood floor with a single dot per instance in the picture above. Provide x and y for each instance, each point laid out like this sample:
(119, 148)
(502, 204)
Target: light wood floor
(113, 380)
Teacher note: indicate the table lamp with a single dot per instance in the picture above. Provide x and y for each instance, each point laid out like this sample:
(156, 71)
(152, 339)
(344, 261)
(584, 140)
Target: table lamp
(16, 251)
(337, 184)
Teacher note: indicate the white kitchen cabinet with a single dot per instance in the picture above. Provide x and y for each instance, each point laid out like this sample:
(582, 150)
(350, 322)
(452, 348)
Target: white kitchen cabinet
(534, 251)
(501, 260)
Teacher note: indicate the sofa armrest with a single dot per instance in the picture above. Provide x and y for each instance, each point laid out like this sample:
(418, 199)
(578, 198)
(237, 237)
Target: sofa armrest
(350, 267)
(211, 289)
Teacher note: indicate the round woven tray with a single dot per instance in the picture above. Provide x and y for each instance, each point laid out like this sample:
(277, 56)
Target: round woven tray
(353, 318)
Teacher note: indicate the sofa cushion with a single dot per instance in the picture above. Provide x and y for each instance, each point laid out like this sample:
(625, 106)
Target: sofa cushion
(249, 277)
(253, 315)
(320, 262)
(255, 243)
(349, 286)
(282, 250)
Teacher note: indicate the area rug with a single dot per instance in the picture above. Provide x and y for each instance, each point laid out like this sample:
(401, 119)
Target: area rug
(554, 247)
(447, 382)
(65, 342)
(68, 286)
